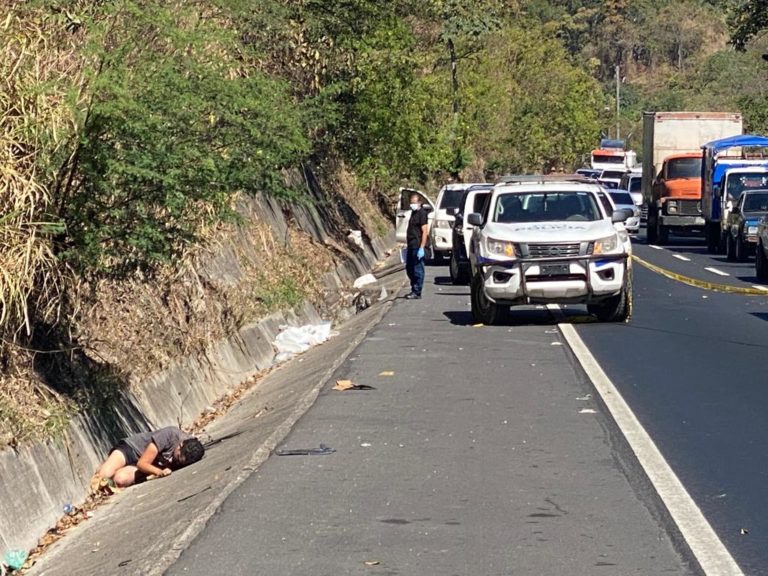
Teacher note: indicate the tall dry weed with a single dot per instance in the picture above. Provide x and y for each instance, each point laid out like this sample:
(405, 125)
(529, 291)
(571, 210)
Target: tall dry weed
(41, 87)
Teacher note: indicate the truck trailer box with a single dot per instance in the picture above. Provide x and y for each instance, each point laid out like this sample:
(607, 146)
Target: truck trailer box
(678, 136)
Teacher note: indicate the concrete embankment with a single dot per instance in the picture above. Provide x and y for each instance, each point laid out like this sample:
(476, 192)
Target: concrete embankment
(38, 479)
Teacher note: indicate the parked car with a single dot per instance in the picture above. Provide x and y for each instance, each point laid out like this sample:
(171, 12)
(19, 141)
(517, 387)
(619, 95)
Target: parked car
(548, 241)
(761, 256)
(742, 226)
(591, 173)
(441, 232)
(624, 201)
(472, 200)
(610, 178)
(632, 182)
(609, 206)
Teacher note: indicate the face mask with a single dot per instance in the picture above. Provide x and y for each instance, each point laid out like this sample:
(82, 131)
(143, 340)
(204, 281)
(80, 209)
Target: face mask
(415, 207)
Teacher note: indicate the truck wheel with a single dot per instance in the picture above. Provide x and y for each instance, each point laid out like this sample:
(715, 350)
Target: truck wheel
(721, 246)
(713, 238)
(742, 253)
(483, 310)
(650, 229)
(761, 263)
(662, 235)
(617, 308)
(730, 248)
(459, 273)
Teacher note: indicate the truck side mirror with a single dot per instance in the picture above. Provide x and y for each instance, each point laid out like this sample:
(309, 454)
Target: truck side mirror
(475, 219)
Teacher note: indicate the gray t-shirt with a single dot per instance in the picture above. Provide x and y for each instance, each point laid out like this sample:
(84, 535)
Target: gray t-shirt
(166, 439)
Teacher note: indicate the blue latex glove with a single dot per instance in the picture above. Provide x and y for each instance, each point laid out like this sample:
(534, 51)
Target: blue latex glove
(420, 253)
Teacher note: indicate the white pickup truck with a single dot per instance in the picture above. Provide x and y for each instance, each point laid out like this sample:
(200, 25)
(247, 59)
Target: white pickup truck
(544, 241)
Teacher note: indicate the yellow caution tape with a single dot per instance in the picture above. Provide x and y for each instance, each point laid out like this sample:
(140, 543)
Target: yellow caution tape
(704, 285)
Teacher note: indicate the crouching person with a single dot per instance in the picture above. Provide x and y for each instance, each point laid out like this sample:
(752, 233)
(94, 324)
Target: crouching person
(150, 454)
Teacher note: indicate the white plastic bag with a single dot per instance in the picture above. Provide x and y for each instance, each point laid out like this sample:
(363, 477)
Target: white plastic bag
(364, 280)
(296, 339)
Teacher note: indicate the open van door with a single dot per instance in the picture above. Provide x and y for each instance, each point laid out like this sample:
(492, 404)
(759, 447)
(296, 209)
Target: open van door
(403, 211)
(475, 202)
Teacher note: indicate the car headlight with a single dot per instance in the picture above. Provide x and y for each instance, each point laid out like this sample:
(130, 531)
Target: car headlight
(608, 245)
(443, 224)
(750, 227)
(672, 207)
(499, 248)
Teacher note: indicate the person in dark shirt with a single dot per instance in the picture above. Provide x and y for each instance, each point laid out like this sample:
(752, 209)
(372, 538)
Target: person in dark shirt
(158, 453)
(416, 239)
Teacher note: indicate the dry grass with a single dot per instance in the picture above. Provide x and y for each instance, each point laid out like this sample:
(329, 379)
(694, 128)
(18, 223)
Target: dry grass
(245, 273)
(40, 81)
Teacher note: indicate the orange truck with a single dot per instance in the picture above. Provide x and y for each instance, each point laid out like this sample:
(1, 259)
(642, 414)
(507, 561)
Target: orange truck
(672, 159)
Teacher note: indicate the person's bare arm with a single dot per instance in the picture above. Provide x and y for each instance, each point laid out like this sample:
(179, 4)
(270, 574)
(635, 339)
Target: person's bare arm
(424, 235)
(145, 463)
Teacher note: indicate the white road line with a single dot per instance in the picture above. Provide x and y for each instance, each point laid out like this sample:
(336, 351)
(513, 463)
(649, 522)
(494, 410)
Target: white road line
(716, 271)
(765, 288)
(712, 555)
(655, 247)
(681, 257)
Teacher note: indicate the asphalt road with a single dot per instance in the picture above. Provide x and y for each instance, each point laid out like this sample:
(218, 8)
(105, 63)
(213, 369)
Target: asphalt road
(481, 451)
(692, 365)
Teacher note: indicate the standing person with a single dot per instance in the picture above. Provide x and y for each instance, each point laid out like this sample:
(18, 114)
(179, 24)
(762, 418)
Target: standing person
(416, 239)
(155, 453)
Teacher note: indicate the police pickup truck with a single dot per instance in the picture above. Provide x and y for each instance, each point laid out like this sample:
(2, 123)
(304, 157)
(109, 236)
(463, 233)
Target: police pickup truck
(549, 241)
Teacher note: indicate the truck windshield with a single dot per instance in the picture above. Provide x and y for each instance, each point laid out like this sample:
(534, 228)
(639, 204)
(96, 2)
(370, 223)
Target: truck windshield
(546, 207)
(607, 159)
(756, 202)
(737, 183)
(684, 168)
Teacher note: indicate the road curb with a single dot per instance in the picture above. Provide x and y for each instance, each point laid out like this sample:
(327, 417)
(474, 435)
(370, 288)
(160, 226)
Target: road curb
(262, 453)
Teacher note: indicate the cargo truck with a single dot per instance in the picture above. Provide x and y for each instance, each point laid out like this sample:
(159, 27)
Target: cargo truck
(672, 159)
(731, 166)
(612, 155)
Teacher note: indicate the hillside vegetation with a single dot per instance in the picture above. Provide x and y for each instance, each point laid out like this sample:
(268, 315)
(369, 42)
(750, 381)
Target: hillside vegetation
(130, 131)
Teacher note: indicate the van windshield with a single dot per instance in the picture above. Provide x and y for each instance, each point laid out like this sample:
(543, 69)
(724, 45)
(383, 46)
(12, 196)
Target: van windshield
(451, 198)
(546, 207)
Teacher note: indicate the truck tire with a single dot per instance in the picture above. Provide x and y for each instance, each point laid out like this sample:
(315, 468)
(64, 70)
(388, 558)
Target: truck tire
(650, 227)
(483, 310)
(662, 234)
(741, 250)
(721, 246)
(761, 263)
(459, 273)
(617, 308)
(713, 237)
(730, 248)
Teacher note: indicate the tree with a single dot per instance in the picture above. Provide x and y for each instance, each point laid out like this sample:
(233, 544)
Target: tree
(747, 21)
